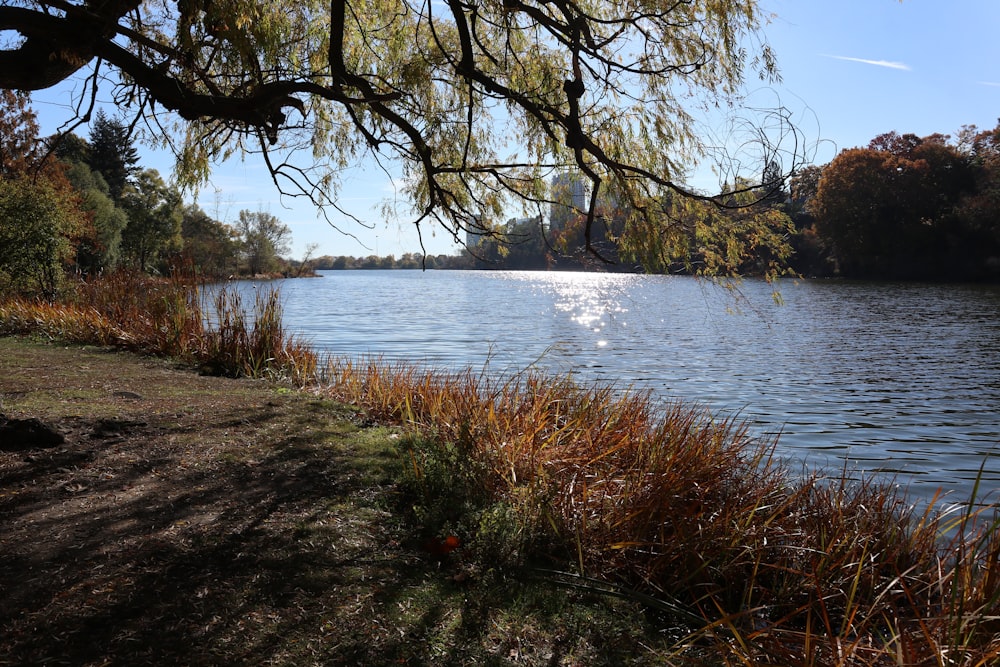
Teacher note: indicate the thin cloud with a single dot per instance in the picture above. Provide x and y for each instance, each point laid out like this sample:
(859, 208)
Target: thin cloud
(994, 84)
(890, 64)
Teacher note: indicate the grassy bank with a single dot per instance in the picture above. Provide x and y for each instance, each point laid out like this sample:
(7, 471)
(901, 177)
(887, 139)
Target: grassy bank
(209, 521)
(168, 318)
(674, 521)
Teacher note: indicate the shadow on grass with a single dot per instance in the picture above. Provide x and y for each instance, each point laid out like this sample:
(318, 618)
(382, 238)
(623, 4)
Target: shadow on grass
(122, 547)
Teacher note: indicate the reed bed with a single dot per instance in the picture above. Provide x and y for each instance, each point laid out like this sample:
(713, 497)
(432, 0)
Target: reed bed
(253, 342)
(166, 317)
(600, 489)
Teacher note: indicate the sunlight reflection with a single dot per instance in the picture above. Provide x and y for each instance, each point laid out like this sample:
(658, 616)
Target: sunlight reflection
(591, 300)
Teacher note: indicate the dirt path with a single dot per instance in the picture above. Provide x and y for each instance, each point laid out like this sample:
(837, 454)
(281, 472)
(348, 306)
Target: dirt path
(185, 519)
(204, 521)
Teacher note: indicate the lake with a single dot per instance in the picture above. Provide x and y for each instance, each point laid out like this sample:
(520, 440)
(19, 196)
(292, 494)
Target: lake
(887, 377)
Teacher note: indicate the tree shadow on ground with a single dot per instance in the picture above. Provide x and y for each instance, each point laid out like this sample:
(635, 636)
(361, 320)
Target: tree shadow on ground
(142, 542)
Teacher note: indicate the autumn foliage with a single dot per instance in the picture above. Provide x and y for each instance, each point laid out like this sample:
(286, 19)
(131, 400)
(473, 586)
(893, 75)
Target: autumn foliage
(907, 207)
(41, 222)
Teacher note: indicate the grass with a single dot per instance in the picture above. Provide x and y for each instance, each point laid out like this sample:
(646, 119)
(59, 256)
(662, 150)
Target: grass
(166, 317)
(601, 491)
(690, 515)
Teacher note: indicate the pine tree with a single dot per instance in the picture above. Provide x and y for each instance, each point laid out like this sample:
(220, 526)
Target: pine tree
(112, 153)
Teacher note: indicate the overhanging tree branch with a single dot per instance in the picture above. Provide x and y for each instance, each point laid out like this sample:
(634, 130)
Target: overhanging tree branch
(590, 89)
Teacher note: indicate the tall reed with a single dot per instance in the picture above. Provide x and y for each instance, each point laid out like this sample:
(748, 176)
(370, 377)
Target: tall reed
(165, 317)
(159, 316)
(254, 343)
(690, 514)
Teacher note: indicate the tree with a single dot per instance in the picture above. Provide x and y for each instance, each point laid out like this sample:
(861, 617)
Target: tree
(154, 222)
(610, 89)
(525, 245)
(888, 210)
(18, 133)
(41, 223)
(209, 245)
(410, 261)
(103, 250)
(803, 187)
(772, 184)
(70, 148)
(713, 247)
(811, 257)
(35, 231)
(112, 153)
(854, 207)
(263, 239)
(976, 246)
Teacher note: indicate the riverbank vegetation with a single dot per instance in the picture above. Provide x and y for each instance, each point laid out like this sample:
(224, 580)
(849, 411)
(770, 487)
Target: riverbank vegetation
(686, 518)
(167, 317)
(70, 205)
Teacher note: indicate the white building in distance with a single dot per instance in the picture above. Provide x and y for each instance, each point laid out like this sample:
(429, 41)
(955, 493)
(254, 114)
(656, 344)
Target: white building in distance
(569, 196)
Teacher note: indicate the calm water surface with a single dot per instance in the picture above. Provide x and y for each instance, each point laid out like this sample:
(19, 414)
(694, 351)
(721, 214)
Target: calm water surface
(890, 377)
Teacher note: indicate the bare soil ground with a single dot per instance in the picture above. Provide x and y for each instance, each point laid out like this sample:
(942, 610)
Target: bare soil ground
(185, 519)
(208, 521)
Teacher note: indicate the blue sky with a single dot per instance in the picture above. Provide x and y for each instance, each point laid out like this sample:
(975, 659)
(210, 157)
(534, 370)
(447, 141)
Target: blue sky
(851, 70)
(863, 67)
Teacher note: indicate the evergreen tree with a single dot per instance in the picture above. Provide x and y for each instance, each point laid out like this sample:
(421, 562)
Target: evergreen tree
(112, 153)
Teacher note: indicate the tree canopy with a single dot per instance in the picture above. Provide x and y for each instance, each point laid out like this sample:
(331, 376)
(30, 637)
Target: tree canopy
(265, 238)
(40, 219)
(58, 216)
(18, 131)
(478, 102)
(906, 207)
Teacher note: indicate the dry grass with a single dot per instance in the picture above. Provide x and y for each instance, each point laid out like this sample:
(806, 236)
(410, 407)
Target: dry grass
(691, 515)
(165, 317)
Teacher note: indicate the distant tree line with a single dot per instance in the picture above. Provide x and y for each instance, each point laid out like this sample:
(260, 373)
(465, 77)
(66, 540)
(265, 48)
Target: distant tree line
(904, 207)
(87, 206)
(406, 261)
